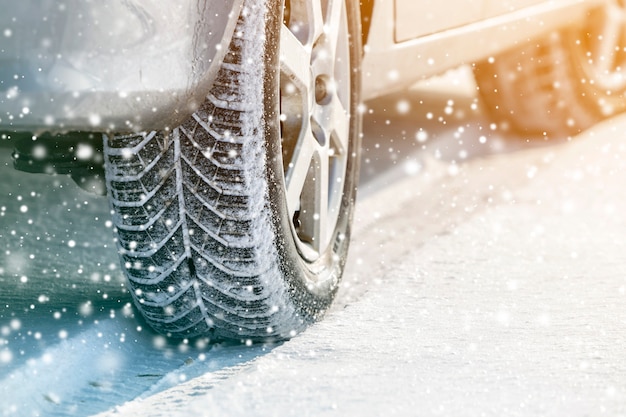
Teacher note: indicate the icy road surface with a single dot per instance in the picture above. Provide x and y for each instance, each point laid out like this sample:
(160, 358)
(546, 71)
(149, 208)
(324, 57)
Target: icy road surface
(485, 278)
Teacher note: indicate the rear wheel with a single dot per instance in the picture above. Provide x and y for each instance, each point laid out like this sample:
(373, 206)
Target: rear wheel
(563, 83)
(236, 224)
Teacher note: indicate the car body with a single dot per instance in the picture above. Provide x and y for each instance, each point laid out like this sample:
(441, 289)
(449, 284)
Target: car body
(114, 65)
(129, 65)
(411, 39)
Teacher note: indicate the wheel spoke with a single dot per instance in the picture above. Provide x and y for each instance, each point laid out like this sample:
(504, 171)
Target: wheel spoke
(333, 119)
(316, 20)
(340, 125)
(306, 21)
(311, 218)
(324, 54)
(334, 14)
(299, 168)
(322, 222)
(337, 160)
(295, 60)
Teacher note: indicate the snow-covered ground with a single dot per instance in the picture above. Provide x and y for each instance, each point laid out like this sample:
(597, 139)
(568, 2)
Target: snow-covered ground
(485, 278)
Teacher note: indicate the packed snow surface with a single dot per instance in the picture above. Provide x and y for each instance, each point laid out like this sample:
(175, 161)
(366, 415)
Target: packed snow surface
(486, 278)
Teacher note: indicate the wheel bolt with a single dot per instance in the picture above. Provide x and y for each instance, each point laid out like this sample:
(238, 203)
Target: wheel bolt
(321, 89)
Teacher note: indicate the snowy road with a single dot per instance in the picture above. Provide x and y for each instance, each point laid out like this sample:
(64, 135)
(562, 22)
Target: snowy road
(485, 278)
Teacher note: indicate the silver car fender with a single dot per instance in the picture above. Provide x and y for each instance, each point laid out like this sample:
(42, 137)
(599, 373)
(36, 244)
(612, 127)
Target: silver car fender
(116, 65)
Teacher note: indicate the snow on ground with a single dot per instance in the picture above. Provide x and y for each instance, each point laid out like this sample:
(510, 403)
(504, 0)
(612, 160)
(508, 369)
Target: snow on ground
(498, 290)
(477, 285)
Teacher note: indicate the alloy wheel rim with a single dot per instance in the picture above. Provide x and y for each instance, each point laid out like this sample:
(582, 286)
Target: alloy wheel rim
(315, 119)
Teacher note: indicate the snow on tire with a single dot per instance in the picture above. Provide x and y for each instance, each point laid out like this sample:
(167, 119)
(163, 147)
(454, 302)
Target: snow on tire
(235, 225)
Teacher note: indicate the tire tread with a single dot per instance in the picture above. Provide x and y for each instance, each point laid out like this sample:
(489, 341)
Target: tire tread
(185, 209)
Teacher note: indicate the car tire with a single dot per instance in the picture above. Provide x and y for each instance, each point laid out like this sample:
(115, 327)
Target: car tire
(236, 224)
(563, 83)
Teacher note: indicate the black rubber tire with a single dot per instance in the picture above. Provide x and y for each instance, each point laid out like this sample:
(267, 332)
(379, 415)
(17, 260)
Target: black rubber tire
(547, 87)
(201, 212)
